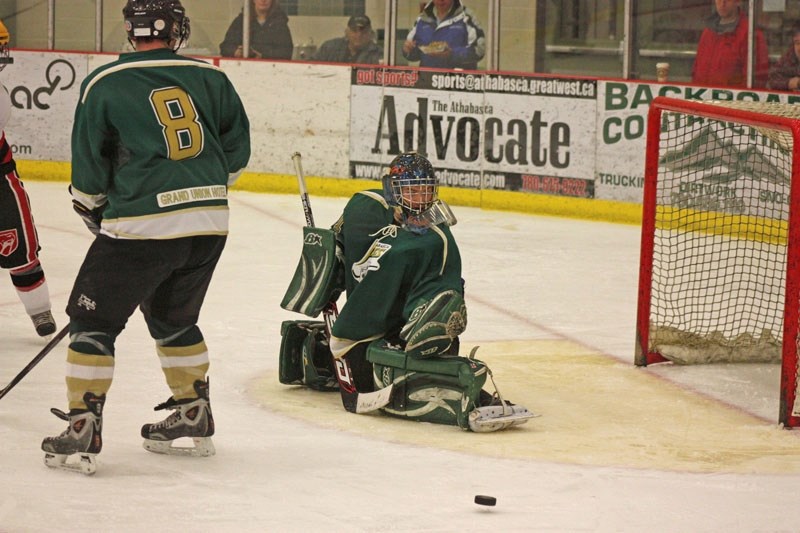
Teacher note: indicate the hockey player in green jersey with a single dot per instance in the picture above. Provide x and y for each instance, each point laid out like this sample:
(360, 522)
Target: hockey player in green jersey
(395, 260)
(399, 327)
(156, 141)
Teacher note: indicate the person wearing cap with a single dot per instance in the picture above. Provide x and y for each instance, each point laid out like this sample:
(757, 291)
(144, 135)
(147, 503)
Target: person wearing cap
(357, 46)
(446, 35)
(270, 37)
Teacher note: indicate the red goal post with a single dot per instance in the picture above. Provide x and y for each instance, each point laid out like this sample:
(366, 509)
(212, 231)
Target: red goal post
(719, 275)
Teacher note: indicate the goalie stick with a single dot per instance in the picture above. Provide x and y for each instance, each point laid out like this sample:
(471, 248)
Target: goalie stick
(35, 361)
(352, 400)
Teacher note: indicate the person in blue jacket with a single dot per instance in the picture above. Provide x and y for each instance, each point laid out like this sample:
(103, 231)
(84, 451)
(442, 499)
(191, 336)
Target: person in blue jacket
(446, 35)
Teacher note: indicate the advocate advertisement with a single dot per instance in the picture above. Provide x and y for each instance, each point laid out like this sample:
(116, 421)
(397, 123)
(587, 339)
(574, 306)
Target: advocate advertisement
(481, 131)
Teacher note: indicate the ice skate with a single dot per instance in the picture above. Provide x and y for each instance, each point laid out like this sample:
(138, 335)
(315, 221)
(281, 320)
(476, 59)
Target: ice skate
(494, 413)
(490, 418)
(82, 438)
(44, 323)
(192, 418)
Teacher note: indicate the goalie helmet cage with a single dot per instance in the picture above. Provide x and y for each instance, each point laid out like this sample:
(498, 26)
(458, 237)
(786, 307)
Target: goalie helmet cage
(720, 253)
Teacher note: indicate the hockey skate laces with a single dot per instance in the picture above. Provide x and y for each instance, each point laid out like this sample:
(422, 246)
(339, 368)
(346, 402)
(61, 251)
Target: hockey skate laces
(170, 421)
(173, 418)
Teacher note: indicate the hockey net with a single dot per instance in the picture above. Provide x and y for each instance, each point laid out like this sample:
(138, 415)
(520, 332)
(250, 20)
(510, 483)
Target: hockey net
(720, 257)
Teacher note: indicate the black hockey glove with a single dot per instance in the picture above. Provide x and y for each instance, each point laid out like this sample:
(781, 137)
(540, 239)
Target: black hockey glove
(91, 217)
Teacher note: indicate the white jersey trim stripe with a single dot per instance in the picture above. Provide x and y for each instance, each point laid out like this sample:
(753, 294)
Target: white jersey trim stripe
(171, 225)
(440, 233)
(183, 361)
(89, 373)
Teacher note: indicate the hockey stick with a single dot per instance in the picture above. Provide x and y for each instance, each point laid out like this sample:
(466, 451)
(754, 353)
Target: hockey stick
(352, 400)
(330, 312)
(35, 361)
(301, 181)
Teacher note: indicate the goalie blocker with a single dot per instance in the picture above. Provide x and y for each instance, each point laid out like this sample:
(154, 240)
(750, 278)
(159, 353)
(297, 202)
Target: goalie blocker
(319, 276)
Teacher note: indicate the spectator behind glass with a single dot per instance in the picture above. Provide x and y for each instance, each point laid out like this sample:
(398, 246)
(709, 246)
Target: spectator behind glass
(270, 37)
(357, 45)
(445, 35)
(785, 75)
(722, 52)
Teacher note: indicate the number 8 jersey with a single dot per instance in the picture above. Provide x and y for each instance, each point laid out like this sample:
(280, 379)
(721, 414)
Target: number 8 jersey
(157, 139)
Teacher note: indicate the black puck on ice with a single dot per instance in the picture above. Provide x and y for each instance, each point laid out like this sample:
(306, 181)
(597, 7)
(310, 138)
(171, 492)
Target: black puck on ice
(485, 500)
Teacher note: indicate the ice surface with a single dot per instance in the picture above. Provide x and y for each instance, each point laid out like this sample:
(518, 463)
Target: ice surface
(552, 304)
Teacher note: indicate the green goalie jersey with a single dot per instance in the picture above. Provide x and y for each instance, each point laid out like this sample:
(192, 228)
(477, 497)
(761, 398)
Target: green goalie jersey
(389, 271)
(157, 139)
(366, 212)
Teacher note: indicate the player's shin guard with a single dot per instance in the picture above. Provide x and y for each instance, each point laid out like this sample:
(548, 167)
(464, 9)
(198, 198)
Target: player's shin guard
(87, 372)
(183, 355)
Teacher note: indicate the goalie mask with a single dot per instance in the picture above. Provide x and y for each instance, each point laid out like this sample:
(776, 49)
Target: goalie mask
(163, 20)
(412, 185)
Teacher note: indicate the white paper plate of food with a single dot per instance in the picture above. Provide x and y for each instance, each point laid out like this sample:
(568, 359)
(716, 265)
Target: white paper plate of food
(436, 47)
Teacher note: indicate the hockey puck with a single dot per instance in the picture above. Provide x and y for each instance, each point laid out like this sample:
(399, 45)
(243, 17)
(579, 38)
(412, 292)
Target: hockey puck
(485, 500)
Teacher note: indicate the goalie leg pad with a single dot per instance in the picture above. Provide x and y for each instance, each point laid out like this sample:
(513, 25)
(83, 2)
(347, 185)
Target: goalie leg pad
(434, 325)
(441, 390)
(305, 356)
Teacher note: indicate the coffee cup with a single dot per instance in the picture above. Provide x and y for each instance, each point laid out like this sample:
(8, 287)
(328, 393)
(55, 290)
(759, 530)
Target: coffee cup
(662, 71)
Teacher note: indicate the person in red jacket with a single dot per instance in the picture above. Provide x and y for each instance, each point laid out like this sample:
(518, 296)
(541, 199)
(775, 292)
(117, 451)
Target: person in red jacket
(722, 51)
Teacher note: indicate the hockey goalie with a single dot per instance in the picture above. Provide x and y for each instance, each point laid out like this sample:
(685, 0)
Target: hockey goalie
(394, 346)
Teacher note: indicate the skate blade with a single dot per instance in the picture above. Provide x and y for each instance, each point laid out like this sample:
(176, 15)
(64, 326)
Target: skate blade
(85, 464)
(203, 447)
(495, 418)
